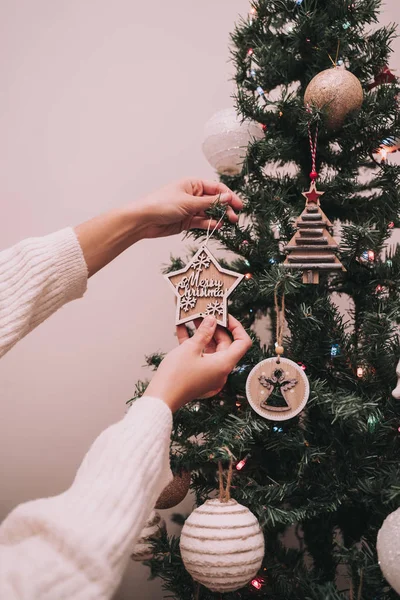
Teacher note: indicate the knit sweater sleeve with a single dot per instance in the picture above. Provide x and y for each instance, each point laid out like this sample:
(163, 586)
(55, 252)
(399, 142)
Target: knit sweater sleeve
(76, 546)
(38, 276)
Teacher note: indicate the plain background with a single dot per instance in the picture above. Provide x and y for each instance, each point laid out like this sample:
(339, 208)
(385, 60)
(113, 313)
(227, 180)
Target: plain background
(100, 102)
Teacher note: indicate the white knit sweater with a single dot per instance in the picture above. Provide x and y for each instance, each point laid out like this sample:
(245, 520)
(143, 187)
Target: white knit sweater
(76, 545)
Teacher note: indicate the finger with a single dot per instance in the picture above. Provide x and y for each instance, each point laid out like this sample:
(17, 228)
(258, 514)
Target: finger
(211, 347)
(222, 339)
(203, 223)
(182, 333)
(241, 342)
(197, 206)
(232, 216)
(225, 198)
(205, 333)
(215, 188)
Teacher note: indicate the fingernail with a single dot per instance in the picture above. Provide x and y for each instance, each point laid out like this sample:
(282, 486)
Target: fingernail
(209, 321)
(225, 197)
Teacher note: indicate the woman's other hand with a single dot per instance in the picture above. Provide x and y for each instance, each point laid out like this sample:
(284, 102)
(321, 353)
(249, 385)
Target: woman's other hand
(199, 367)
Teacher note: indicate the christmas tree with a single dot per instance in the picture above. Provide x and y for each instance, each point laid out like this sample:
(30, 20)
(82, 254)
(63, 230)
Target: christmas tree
(322, 483)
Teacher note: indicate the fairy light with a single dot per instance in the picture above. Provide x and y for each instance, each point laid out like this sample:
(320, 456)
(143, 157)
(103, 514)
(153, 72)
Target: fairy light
(242, 463)
(250, 52)
(260, 91)
(256, 583)
(248, 276)
(383, 152)
(302, 366)
(368, 255)
(335, 350)
(360, 372)
(379, 289)
(391, 225)
(252, 15)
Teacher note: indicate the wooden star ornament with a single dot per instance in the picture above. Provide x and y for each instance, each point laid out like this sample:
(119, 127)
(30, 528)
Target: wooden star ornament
(313, 195)
(202, 288)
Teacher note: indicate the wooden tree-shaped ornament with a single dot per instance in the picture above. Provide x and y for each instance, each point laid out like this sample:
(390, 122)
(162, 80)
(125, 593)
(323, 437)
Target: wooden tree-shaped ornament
(312, 248)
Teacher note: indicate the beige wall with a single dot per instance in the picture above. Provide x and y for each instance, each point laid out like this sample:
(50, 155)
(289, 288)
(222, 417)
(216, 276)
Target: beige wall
(100, 102)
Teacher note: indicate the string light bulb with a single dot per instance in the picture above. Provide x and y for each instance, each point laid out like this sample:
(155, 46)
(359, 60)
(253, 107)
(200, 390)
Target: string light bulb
(277, 429)
(248, 276)
(360, 372)
(391, 225)
(256, 583)
(242, 463)
(368, 255)
(383, 152)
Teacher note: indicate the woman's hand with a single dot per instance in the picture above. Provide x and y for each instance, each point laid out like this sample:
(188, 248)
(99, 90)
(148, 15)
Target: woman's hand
(172, 209)
(199, 367)
(181, 206)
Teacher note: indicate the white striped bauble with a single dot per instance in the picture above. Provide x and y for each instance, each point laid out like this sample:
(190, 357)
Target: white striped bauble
(143, 549)
(226, 138)
(222, 545)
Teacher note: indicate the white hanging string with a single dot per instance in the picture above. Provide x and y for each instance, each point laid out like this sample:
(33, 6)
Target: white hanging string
(209, 235)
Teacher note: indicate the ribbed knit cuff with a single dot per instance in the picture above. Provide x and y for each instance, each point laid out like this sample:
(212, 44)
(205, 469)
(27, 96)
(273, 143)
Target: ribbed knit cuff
(69, 262)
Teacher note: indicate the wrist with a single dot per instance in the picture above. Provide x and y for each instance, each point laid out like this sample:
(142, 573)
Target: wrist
(172, 400)
(133, 224)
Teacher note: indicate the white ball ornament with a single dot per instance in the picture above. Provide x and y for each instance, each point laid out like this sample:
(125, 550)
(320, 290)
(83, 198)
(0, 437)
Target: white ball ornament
(226, 139)
(388, 548)
(143, 549)
(222, 545)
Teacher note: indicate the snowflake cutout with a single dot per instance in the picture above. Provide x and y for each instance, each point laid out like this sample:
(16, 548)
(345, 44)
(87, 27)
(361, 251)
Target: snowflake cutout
(214, 308)
(201, 262)
(187, 303)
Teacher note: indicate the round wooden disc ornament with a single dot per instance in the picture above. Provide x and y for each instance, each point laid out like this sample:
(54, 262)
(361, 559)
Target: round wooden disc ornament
(277, 390)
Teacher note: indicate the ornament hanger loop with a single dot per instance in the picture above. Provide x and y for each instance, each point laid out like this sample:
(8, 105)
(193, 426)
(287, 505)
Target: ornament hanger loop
(209, 235)
(280, 322)
(313, 148)
(225, 492)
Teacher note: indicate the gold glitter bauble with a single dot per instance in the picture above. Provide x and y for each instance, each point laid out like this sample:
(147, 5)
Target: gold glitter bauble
(175, 492)
(336, 91)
